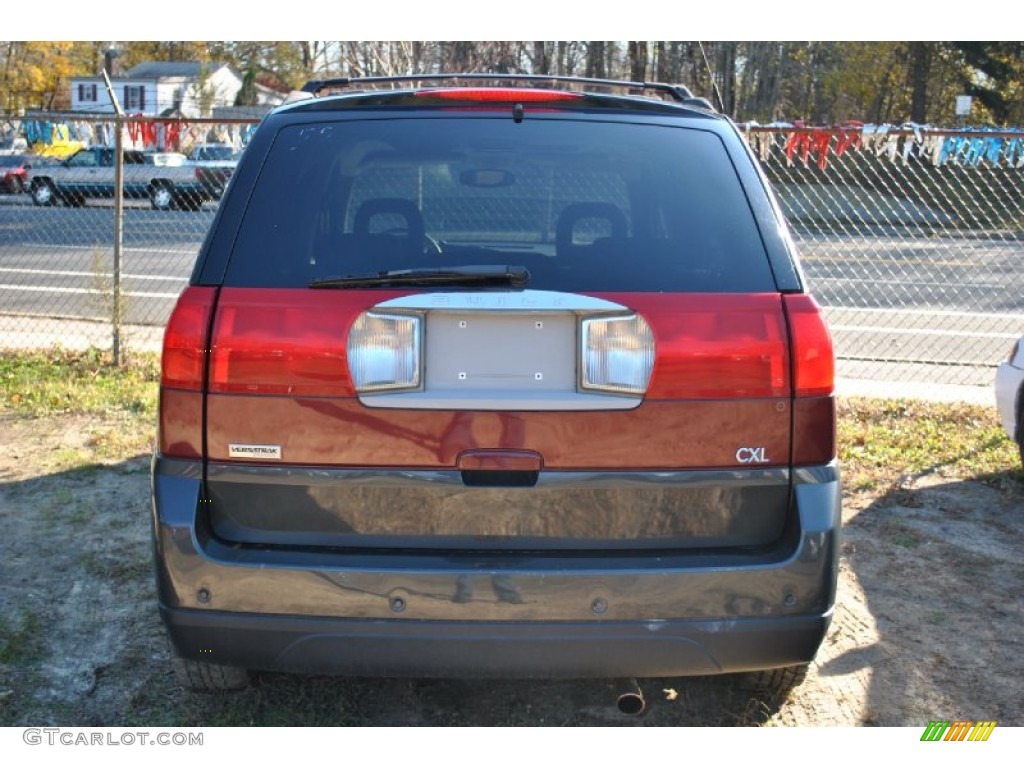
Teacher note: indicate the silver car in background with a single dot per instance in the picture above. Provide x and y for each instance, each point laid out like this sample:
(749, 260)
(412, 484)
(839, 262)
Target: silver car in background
(1010, 394)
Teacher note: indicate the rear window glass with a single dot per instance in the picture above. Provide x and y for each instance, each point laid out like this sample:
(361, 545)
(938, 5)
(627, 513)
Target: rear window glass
(584, 206)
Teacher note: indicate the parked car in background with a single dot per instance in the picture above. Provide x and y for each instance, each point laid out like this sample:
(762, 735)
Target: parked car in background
(513, 381)
(89, 173)
(214, 163)
(1010, 394)
(13, 145)
(165, 158)
(212, 153)
(14, 173)
(15, 169)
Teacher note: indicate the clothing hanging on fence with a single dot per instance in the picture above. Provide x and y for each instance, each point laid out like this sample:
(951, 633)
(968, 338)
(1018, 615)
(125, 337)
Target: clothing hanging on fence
(33, 132)
(817, 141)
(906, 142)
(10, 130)
(931, 148)
(890, 148)
(850, 136)
(104, 134)
(1015, 153)
(799, 141)
(86, 133)
(172, 134)
(142, 131)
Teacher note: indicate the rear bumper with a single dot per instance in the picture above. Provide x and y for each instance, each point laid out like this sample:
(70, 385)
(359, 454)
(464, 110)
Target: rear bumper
(391, 647)
(495, 614)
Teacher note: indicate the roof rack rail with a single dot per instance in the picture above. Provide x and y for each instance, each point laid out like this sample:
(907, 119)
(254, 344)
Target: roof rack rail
(680, 93)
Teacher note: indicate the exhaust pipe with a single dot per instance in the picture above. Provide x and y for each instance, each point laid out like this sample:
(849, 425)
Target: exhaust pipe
(630, 700)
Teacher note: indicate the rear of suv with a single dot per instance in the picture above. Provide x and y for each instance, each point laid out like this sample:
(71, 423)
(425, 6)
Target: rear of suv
(508, 378)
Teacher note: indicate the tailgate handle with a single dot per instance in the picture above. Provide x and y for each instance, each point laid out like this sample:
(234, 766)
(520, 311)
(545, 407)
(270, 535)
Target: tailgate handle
(500, 461)
(500, 469)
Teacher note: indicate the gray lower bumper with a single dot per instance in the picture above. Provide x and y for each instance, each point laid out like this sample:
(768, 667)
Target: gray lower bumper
(494, 614)
(397, 648)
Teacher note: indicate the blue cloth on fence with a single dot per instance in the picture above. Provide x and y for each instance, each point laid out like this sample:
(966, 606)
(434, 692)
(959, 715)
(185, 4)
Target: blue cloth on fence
(951, 148)
(1013, 148)
(994, 151)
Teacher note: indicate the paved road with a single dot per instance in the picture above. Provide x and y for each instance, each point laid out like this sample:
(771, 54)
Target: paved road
(939, 307)
(58, 261)
(931, 309)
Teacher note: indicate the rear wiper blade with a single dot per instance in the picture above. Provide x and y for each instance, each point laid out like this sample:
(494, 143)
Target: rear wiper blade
(470, 274)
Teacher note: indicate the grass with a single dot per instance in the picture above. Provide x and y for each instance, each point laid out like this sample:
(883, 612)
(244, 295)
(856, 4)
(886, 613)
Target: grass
(119, 403)
(118, 566)
(294, 700)
(284, 701)
(19, 640)
(21, 647)
(882, 442)
(55, 382)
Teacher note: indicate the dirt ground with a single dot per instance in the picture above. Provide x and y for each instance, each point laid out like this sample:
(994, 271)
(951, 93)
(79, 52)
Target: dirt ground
(928, 623)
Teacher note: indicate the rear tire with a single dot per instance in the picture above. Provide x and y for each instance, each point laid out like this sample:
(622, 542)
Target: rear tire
(777, 682)
(43, 192)
(203, 676)
(161, 196)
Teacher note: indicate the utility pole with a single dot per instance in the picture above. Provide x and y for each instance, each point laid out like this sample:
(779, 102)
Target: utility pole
(118, 217)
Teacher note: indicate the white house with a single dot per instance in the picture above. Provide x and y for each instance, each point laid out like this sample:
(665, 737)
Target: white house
(185, 88)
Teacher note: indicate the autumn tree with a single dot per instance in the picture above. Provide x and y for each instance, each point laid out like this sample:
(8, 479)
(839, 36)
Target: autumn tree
(35, 75)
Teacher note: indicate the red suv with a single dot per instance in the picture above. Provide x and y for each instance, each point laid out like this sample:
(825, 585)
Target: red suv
(497, 377)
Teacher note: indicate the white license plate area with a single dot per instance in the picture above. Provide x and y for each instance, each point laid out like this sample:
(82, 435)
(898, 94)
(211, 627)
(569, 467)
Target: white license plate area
(501, 351)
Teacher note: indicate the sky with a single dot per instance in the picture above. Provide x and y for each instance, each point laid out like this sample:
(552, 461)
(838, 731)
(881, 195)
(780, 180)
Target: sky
(510, 20)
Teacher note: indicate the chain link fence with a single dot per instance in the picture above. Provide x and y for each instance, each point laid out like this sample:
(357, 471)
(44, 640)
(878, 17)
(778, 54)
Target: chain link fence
(66, 278)
(910, 238)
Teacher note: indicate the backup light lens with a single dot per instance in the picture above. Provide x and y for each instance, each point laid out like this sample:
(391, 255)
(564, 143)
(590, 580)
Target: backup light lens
(618, 354)
(384, 352)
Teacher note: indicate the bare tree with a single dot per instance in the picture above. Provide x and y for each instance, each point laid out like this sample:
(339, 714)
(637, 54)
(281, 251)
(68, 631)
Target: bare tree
(726, 77)
(540, 61)
(920, 63)
(596, 61)
(637, 60)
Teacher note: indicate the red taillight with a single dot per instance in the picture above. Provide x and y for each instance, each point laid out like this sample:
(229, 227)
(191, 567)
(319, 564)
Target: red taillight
(182, 371)
(530, 95)
(285, 341)
(813, 358)
(184, 351)
(714, 346)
